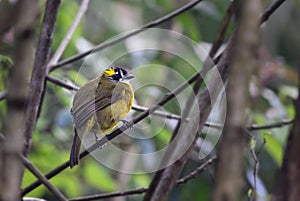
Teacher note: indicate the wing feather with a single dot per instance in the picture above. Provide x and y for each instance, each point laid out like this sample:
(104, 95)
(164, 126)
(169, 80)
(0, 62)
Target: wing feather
(92, 98)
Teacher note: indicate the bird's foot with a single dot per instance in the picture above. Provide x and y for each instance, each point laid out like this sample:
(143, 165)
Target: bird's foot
(98, 139)
(127, 124)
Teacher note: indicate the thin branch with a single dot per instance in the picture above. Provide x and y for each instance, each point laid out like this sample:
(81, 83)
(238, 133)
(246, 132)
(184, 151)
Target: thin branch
(135, 107)
(272, 125)
(255, 170)
(34, 170)
(166, 115)
(221, 33)
(197, 171)
(68, 36)
(154, 23)
(31, 167)
(61, 83)
(125, 36)
(182, 180)
(32, 199)
(255, 127)
(271, 10)
(174, 116)
(256, 167)
(110, 195)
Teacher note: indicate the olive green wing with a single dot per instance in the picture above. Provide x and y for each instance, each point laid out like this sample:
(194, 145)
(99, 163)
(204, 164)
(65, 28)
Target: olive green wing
(110, 95)
(92, 98)
(84, 102)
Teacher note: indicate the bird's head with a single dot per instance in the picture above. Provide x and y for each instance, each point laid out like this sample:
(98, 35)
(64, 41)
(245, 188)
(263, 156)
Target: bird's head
(117, 74)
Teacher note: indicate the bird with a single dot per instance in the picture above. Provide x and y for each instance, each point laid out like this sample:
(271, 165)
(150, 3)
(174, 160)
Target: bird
(100, 105)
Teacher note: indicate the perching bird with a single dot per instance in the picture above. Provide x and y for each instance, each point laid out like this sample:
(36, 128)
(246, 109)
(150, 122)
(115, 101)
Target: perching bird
(100, 105)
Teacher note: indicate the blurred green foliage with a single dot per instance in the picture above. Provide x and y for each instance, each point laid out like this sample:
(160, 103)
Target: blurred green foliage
(105, 19)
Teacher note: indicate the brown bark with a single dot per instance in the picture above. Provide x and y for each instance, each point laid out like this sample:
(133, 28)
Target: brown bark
(39, 73)
(287, 184)
(16, 97)
(228, 173)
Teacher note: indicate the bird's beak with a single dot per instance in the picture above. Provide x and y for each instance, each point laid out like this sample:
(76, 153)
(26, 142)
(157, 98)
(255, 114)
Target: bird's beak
(128, 77)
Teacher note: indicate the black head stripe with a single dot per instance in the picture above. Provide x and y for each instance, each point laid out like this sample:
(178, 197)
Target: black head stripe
(119, 74)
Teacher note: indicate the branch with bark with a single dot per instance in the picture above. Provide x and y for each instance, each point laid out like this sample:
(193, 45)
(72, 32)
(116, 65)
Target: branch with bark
(109, 43)
(287, 184)
(37, 84)
(16, 97)
(245, 40)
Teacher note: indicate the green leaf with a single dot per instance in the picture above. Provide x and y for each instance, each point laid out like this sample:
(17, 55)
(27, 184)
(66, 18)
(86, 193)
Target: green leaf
(274, 148)
(188, 24)
(249, 192)
(5, 61)
(98, 177)
(142, 180)
(252, 143)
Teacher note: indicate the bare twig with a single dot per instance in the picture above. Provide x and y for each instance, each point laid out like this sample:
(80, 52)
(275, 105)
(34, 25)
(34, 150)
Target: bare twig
(30, 166)
(110, 195)
(271, 10)
(61, 83)
(68, 36)
(196, 172)
(182, 180)
(167, 115)
(256, 166)
(255, 127)
(255, 169)
(32, 199)
(125, 36)
(221, 33)
(271, 125)
(104, 45)
(135, 107)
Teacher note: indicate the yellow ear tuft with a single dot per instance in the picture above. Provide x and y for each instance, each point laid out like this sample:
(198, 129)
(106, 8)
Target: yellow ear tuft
(109, 72)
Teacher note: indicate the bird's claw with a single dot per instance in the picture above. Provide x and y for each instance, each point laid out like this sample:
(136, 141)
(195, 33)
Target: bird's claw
(97, 139)
(126, 124)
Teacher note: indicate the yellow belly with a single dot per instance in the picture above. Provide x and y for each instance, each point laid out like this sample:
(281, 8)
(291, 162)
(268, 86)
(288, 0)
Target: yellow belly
(109, 117)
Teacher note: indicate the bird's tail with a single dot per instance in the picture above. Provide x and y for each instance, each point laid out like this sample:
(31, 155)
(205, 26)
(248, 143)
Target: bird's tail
(74, 156)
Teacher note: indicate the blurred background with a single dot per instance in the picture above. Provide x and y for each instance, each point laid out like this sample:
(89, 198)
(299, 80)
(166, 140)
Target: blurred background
(272, 90)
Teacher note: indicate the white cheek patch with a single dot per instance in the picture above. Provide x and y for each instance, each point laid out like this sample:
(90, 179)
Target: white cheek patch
(122, 75)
